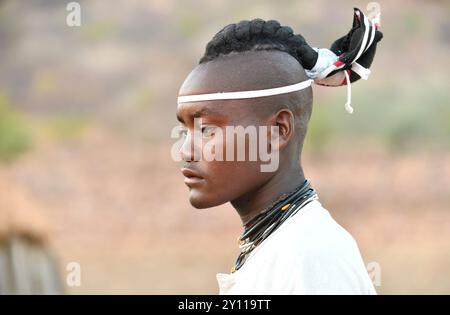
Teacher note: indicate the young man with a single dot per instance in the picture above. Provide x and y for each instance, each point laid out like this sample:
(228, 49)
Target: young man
(258, 74)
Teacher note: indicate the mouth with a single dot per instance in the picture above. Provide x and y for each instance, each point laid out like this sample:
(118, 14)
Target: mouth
(191, 178)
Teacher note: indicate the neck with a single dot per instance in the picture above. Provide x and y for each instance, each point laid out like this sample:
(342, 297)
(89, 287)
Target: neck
(252, 203)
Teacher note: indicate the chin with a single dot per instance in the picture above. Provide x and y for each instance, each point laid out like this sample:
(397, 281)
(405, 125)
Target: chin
(200, 201)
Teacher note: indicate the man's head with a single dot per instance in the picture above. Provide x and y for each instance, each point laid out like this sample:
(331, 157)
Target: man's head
(250, 55)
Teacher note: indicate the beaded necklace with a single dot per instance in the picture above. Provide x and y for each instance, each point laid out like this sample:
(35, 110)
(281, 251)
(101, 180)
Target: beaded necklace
(268, 220)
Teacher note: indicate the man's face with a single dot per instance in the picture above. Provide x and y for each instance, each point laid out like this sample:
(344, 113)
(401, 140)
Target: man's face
(223, 178)
(214, 182)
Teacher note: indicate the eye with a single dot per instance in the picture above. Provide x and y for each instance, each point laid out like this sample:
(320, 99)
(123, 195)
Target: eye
(208, 131)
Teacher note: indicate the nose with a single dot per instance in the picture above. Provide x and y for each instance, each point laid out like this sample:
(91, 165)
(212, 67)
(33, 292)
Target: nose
(190, 151)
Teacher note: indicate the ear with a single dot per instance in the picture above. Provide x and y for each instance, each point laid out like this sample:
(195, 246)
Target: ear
(284, 121)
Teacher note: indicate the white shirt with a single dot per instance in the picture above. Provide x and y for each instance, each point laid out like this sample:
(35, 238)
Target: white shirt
(310, 253)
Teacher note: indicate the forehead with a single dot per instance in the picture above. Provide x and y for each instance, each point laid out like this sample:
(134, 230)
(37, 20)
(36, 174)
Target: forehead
(226, 111)
(253, 70)
(198, 109)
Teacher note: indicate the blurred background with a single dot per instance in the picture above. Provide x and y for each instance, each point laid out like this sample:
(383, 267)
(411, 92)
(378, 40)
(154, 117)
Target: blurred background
(85, 169)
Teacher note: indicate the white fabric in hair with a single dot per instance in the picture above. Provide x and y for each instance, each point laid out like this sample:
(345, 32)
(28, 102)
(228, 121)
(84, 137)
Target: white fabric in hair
(244, 94)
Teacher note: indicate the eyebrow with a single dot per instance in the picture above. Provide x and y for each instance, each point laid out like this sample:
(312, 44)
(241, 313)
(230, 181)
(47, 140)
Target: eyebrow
(199, 113)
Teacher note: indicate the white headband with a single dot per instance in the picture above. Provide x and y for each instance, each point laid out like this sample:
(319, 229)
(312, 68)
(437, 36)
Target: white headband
(244, 94)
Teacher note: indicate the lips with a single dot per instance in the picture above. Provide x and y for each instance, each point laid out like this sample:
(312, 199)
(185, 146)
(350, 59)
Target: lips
(191, 177)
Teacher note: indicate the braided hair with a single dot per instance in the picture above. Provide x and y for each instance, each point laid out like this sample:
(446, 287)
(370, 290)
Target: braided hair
(256, 35)
(348, 59)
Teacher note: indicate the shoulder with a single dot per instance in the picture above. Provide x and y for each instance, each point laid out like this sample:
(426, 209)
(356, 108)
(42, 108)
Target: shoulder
(323, 256)
(309, 254)
(314, 229)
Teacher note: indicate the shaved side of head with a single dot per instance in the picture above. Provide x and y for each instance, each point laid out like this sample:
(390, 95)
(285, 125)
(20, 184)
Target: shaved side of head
(255, 70)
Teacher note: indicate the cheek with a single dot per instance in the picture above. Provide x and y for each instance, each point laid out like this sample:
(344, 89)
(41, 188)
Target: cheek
(227, 169)
(226, 180)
